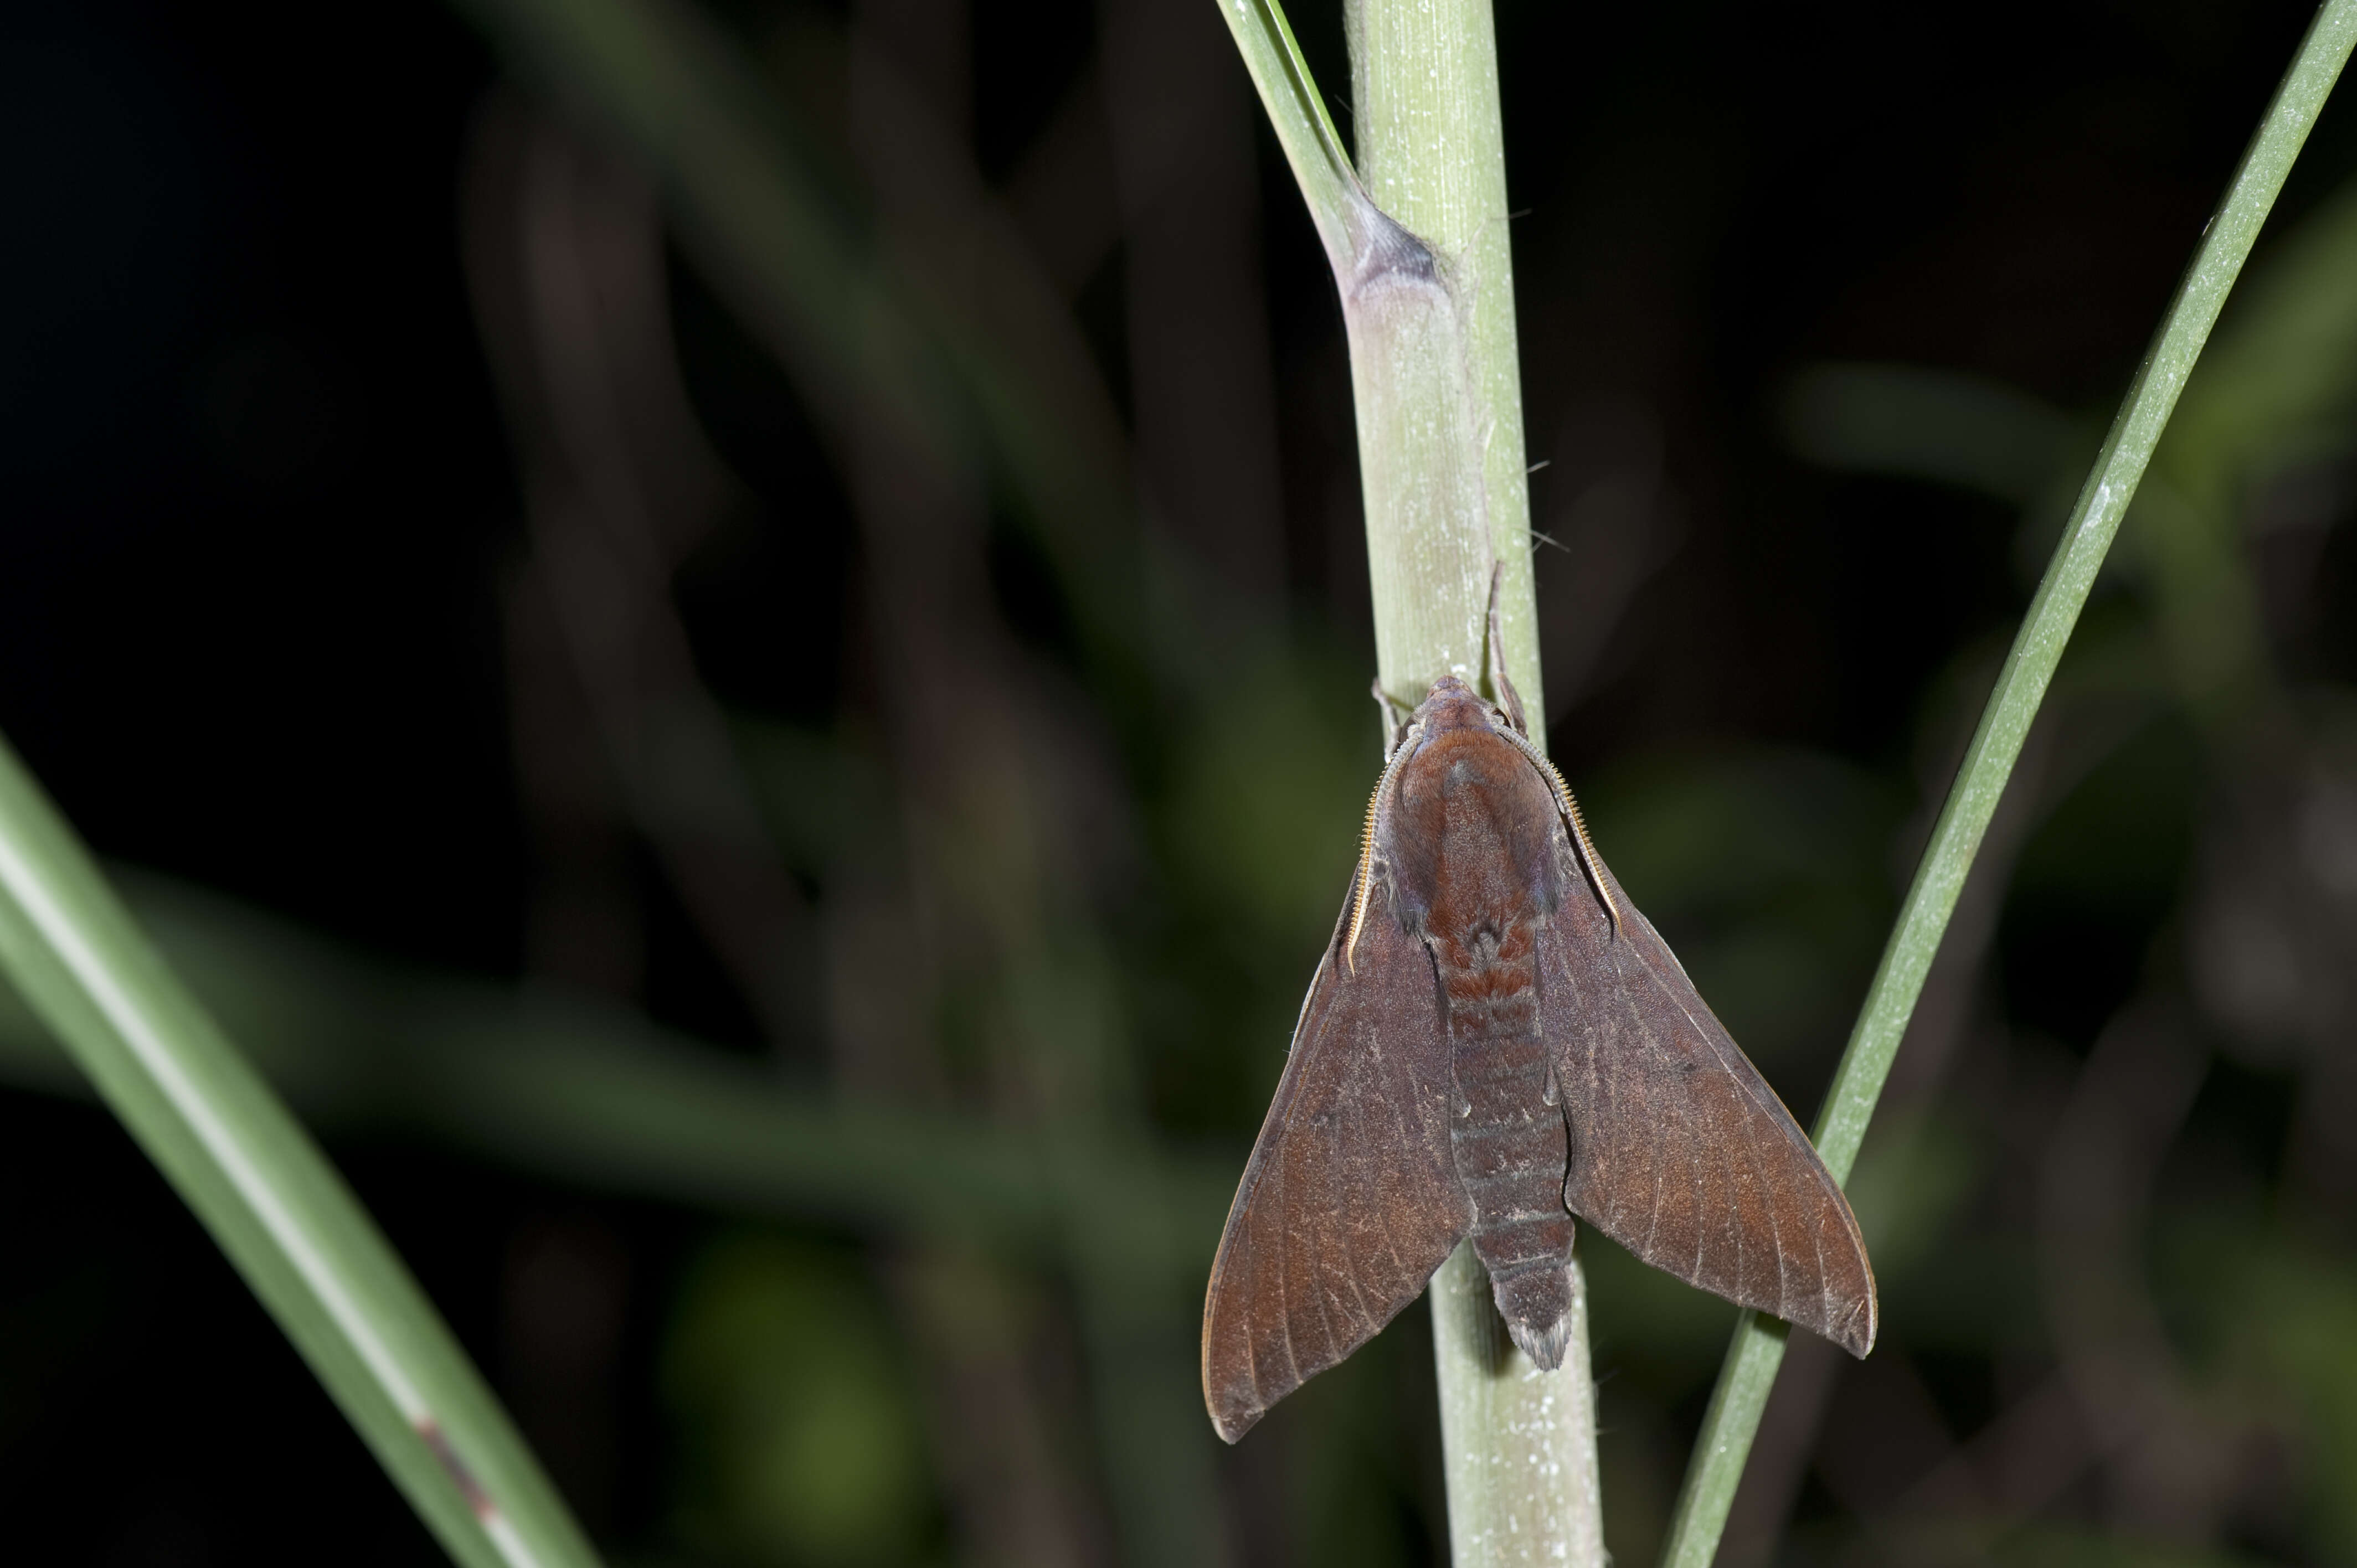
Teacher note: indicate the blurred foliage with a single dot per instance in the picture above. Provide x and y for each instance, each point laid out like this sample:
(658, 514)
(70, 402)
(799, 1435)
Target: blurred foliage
(801, 1439)
(1768, 874)
(2245, 1407)
(1256, 835)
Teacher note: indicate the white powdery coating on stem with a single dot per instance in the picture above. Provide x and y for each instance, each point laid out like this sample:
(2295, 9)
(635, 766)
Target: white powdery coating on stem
(1518, 1444)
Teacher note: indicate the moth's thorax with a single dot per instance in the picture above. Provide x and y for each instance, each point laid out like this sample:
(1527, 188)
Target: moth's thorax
(1469, 831)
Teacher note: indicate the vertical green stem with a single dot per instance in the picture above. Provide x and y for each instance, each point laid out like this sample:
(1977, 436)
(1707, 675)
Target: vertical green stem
(1421, 260)
(1434, 363)
(1429, 303)
(1716, 1468)
(1432, 157)
(1518, 1445)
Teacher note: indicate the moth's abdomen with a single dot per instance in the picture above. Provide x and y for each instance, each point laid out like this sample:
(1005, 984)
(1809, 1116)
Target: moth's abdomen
(1510, 1149)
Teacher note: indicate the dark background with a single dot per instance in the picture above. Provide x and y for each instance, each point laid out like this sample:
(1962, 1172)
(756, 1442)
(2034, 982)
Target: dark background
(283, 616)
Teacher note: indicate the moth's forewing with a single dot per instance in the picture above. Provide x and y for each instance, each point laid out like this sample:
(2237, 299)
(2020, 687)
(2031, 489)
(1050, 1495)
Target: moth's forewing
(1350, 1201)
(1680, 1151)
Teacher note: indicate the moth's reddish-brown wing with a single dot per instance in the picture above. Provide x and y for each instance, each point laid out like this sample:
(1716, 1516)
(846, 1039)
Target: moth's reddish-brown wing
(1680, 1151)
(1352, 1198)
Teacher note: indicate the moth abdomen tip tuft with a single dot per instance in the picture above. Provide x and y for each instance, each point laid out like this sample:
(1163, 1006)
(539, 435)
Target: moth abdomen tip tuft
(1544, 1347)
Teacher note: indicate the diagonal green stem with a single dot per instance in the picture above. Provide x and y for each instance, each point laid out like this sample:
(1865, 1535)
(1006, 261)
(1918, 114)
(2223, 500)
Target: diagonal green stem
(271, 1200)
(1752, 1357)
(1296, 112)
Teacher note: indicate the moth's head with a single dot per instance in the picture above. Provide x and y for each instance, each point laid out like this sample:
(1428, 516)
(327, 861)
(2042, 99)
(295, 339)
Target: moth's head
(1451, 704)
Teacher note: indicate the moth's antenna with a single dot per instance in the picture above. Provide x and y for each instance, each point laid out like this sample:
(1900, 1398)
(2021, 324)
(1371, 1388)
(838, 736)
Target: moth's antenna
(1367, 841)
(1569, 806)
(1501, 686)
(1512, 701)
(1594, 861)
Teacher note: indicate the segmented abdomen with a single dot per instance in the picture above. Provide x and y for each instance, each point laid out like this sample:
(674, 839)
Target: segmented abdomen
(1510, 1145)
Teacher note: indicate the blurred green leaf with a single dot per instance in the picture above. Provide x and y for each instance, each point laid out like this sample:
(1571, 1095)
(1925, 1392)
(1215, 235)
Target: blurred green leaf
(1914, 422)
(828, 801)
(1913, 1178)
(1642, 1317)
(1767, 870)
(2281, 1310)
(1255, 828)
(802, 1440)
(1739, 827)
(2278, 383)
(958, 347)
(1264, 809)
(2120, 838)
(588, 1093)
(2067, 1546)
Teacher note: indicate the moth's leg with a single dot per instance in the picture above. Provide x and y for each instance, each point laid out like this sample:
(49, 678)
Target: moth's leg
(1395, 717)
(1501, 687)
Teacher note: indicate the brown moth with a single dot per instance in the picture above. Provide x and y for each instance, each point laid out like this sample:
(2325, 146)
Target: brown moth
(1495, 1041)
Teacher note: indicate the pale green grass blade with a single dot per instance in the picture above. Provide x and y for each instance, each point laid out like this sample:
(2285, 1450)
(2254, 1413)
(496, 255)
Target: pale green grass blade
(1716, 1468)
(270, 1198)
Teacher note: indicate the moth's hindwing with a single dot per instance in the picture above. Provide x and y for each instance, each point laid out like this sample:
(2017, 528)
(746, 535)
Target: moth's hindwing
(1680, 1151)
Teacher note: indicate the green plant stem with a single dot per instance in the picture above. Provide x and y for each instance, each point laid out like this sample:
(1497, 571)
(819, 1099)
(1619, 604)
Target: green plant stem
(1438, 386)
(1518, 1445)
(1432, 156)
(1757, 1348)
(1427, 295)
(1421, 261)
(271, 1201)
